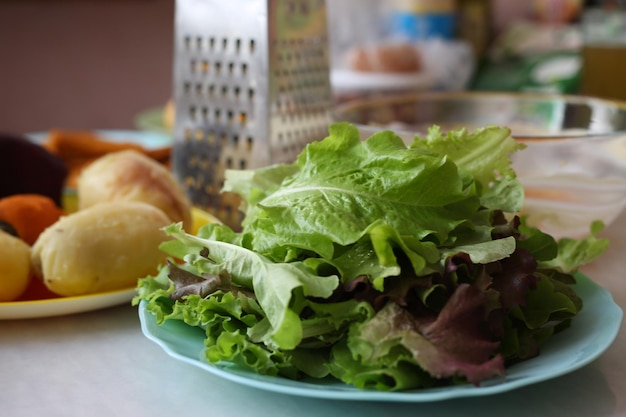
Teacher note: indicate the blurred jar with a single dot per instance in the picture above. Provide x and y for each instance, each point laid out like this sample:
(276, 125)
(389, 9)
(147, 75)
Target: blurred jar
(475, 24)
(418, 20)
(604, 52)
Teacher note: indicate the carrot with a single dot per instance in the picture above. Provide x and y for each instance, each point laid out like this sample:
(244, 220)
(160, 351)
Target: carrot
(29, 214)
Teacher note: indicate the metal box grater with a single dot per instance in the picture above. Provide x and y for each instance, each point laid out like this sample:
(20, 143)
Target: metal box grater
(251, 88)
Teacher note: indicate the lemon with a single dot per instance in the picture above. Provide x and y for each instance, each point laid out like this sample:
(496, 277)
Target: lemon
(200, 218)
(14, 267)
(70, 200)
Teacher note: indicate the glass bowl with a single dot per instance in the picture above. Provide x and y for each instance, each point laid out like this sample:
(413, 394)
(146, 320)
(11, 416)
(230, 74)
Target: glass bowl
(574, 166)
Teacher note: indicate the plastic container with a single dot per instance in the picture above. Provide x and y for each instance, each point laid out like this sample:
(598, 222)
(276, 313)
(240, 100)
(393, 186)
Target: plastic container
(418, 20)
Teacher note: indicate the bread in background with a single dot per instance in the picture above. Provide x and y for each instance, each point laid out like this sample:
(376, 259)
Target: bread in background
(392, 57)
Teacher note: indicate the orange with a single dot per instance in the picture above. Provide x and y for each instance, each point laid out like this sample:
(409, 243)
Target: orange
(29, 214)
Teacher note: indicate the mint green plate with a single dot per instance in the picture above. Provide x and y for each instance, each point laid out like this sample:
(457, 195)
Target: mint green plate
(591, 333)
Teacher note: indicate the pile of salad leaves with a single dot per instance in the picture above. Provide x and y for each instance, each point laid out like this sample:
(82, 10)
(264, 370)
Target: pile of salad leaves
(383, 265)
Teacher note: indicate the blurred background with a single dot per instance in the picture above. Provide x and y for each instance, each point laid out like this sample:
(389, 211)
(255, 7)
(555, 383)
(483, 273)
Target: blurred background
(105, 64)
(83, 63)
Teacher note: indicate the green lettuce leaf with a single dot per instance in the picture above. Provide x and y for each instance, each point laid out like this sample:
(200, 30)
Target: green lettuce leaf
(273, 283)
(575, 252)
(483, 153)
(343, 186)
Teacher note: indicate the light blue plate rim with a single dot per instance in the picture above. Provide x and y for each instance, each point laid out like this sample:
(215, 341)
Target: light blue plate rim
(593, 330)
(147, 139)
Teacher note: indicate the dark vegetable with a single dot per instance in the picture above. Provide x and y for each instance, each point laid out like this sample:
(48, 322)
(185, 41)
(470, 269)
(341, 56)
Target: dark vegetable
(28, 168)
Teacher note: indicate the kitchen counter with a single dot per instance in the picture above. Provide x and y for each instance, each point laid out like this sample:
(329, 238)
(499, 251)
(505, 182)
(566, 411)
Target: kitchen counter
(100, 364)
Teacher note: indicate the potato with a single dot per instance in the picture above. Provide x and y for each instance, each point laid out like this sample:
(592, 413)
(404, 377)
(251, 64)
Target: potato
(132, 176)
(15, 269)
(105, 247)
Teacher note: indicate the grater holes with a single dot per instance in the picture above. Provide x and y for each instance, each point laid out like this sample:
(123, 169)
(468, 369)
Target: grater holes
(187, 135)
(211, 189)
(252, 46)
(199, 180)
(189, 182)
(204, 66)
(242, 118)
(205, 164)
(237, 45)
(211, 138)
(211, 43)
